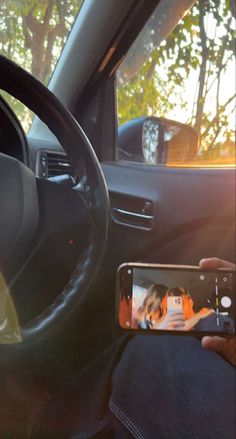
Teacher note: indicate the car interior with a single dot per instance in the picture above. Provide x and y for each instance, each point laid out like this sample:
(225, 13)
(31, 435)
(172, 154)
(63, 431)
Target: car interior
(73, 207)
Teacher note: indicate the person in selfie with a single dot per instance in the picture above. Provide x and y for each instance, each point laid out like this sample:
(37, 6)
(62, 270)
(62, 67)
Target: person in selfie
(150, 310)
(206, 319)
(183, 319)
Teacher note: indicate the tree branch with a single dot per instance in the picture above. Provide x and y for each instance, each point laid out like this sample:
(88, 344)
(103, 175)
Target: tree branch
(202, 74)
(221, 110)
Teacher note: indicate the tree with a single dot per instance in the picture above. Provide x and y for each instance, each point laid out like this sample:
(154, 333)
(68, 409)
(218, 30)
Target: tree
(33, 33)
(198, 52)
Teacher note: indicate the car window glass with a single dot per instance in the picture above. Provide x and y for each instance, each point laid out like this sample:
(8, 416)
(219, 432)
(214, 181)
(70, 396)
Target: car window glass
(33, 34)
(176, 87)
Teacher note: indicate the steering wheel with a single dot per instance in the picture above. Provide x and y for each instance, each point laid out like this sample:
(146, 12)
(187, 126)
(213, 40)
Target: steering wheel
(26, 200)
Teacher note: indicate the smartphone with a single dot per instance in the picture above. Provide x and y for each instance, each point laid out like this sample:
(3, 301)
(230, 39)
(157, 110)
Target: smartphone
(174, 304)
(156, 298)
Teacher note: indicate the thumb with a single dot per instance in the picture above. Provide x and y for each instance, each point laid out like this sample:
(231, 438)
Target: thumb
(216, 344)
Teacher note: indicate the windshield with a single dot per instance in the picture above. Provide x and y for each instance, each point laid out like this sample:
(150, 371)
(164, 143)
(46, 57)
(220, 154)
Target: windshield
(33, 34)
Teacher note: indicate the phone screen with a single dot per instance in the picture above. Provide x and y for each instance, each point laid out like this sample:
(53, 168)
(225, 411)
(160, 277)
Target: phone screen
(177, 299)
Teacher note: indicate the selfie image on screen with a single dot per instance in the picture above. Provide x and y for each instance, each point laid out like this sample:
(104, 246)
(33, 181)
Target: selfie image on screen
(182, 300)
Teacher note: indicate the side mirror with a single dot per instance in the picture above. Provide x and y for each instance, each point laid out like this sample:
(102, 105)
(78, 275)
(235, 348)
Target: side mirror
(155, 140)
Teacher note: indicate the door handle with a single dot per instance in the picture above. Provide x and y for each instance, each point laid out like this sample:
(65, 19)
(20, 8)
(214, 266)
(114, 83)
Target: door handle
(135, 219)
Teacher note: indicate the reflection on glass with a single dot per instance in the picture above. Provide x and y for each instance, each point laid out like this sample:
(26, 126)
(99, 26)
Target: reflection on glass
(9, 324)
(167, 142)
(150, 138)
(170, 133)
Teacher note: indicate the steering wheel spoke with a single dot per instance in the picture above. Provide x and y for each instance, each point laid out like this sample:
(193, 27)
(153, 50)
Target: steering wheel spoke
(60, 208)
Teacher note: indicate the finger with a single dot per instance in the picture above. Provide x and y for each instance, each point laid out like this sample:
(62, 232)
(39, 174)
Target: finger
(225, 347)
(175, 315)
(215, 343)
(179, 320)
(176, 325)
(216, 263)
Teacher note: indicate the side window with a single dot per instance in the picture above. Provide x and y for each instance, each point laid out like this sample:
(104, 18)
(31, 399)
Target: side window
(176, 87)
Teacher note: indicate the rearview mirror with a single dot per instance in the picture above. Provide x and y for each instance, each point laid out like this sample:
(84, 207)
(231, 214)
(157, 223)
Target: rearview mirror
(155, 140)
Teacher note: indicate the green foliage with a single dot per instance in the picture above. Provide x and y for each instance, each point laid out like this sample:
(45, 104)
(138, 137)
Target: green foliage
(200, 47)
(33, 33)
(143, 96)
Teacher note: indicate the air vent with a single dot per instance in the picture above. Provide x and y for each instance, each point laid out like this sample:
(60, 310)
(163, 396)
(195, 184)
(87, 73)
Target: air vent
(54, 165)
(59, 164)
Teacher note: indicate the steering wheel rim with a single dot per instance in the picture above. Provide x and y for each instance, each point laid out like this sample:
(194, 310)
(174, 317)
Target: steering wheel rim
(31, 92)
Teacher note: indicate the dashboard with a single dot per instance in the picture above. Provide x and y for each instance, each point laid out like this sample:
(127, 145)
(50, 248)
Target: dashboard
(46, 159)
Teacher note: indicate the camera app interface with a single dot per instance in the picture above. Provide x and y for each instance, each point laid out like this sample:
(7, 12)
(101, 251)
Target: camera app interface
(182, 300)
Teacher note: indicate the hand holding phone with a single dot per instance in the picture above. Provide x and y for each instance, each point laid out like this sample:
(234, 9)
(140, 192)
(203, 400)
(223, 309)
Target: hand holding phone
(173, 320)
(226, 347)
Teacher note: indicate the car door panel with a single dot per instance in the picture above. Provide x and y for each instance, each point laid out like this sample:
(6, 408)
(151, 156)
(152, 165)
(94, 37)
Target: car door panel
(193, 213)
